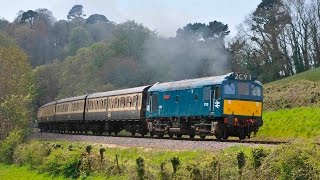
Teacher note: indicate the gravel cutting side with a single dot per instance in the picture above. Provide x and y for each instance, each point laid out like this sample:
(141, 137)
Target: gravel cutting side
(140, 142)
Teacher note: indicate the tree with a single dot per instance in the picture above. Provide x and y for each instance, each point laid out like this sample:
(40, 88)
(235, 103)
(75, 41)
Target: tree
(200, 31)
(76, 12)
(46, 16)
(95, 18)
(79, 37)
(3, 24)
(101, 31)
(29, 17)
(129, 38)
(60, 32)
(46, 83)
(15, 89)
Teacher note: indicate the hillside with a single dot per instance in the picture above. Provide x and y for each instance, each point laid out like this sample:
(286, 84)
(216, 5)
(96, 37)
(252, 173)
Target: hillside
(295, 91)
(291, 108)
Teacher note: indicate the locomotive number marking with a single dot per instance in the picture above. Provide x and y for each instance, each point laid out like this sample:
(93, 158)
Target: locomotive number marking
(242, 76)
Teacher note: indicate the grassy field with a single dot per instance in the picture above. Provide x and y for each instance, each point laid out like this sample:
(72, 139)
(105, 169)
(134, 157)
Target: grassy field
(13, 172)
(295, 123)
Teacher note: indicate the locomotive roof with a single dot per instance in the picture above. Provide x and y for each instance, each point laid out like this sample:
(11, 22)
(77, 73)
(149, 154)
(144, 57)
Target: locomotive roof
(72, 99)
(193, 83)
(118, 92)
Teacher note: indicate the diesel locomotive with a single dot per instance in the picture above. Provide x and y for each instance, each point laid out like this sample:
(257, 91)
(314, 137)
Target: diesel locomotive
(223, 106)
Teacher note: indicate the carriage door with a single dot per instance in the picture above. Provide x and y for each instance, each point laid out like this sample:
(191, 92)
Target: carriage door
(154, 104)
(215, 99)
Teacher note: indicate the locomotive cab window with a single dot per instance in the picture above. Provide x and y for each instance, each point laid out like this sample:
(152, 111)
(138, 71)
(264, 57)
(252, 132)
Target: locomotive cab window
(256, 90)
(243, 88)
(229, 88)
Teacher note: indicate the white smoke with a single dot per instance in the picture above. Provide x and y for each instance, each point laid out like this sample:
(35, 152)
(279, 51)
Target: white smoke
(177, 58)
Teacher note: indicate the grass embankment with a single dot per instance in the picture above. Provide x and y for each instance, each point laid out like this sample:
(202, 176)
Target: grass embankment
(289, 124)
(292, 108)
(78, 160)
(295, 91)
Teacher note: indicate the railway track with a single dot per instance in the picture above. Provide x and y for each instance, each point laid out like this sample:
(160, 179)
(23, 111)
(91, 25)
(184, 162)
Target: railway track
(210, 139)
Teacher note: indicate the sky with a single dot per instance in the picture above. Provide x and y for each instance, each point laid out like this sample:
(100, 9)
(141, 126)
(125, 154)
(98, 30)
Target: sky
(163, 16)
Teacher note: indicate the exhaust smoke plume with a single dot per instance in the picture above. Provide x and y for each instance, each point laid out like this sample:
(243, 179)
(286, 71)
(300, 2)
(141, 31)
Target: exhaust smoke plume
(184, 58)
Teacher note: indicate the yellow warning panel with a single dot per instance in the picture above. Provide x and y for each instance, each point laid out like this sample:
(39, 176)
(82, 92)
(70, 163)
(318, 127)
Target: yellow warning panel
(242, 108)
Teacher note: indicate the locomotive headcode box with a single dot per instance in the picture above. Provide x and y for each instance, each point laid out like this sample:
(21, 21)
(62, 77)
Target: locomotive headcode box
(243, 76)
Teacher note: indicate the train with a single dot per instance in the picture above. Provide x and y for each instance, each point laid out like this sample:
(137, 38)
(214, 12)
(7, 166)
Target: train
(223, 106)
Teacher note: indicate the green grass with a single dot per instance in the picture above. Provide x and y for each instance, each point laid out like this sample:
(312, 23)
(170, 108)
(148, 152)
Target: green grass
(13, 172)
(300, 90)
(295, 123)
(311, 75)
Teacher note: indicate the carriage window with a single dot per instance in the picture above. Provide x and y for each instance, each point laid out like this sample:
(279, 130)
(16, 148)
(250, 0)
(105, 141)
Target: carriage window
(133, 101)
(123, 102)
(229, 88)
(243, 88)
(137, 100)
(140, 100)
(255, 90)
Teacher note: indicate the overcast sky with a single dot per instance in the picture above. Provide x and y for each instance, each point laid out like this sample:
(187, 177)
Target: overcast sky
(164, 16)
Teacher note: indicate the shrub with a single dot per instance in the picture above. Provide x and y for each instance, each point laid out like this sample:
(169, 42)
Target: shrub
(63, 162)
(140, 168)
(258, 155)
(31, 154)
(295, 161)
(175, 164)
(7, 147)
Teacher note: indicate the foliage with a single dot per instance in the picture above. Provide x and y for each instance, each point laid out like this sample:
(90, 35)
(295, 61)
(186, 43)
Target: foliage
(75, 12)
(95, 18)
(15, 91)
(79, 37)
(140, 168)
(286, 95)
(5, 40)
(32, 155)
(296, 160)
(258, 155)
(8, 146)
(29, 17)
(62, 162)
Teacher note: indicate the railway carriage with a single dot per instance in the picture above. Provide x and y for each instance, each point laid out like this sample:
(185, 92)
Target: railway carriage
(118, 110)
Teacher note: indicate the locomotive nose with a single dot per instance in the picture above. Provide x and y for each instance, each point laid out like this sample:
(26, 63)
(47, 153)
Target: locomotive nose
(242, 108)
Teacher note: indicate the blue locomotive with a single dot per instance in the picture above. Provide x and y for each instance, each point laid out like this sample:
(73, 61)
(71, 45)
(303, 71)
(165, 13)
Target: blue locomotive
(227, 105)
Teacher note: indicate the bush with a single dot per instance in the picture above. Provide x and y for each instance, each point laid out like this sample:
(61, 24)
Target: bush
(63, 162)
(295, 161)
(8, 146)
(31, 154)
